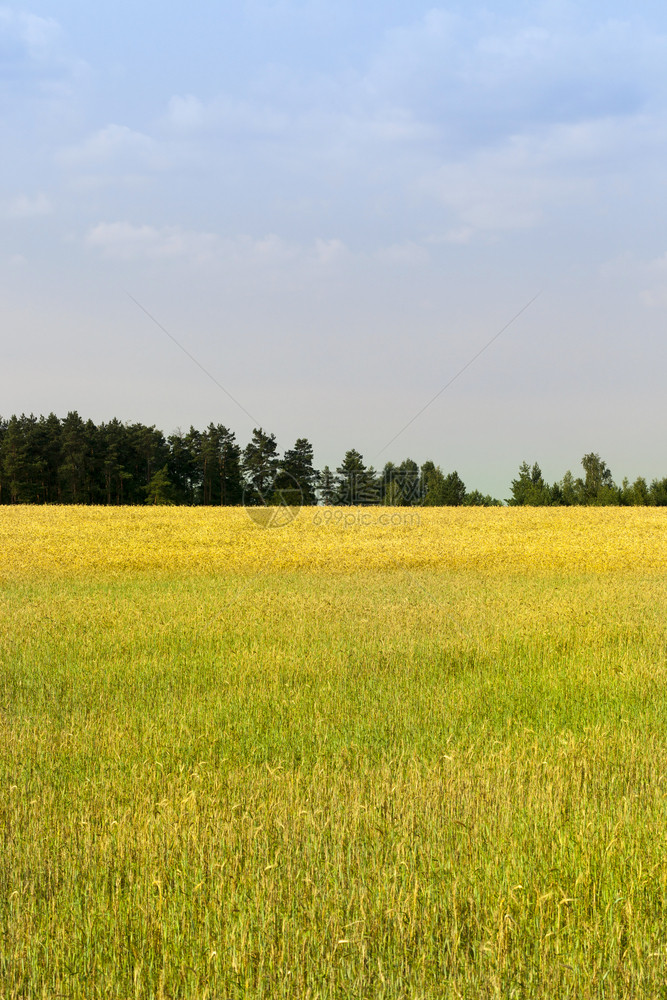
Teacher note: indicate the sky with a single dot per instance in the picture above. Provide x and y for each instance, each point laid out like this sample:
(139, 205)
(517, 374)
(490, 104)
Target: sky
(314, 216)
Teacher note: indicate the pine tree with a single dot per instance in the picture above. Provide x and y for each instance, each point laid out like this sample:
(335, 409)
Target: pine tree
(296, 481)
(219, 459)
(453, 490)
(72, 473)
(478, 499)
(191, 465)
(15, 462)
(658, 492)
(327, 487)
(433, 485)
(47, 442)
(148, 452)
(356, 484)
(260, 464)
(408, 479)
(159, 489)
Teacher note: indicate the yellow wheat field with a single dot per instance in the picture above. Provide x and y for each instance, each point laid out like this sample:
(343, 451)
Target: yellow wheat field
(354, 753)
(85, 541)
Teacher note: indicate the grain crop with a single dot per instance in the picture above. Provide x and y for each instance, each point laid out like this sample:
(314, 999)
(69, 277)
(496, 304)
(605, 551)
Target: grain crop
(371, 753)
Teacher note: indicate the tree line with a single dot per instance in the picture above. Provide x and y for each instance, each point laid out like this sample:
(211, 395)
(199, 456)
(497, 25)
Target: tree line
(595, 488)
(75, 461)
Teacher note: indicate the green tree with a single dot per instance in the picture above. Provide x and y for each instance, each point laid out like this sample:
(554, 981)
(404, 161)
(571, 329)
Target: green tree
(599, 489)
(369, 488)
(433, 485)
(32, 489)
(658, 492)
(453, 490)
(556, 495)
(641, 496)
(356, 484)
(159, 489)
(4, 491)
(296, 482)
(220, 461)
(188, 474)
(115, 447)
(183, 469)
(393, 495)
(73, 473)
(148, 452)
(529, 488)
(401, 485)
(260, 464)
(326, 487)
(477, 499)
(46, 442)
(16, 462)
(390, 491)
(571, 490)
(409, 479)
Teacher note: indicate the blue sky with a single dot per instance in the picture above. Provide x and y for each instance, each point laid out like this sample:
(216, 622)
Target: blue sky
(333, 207)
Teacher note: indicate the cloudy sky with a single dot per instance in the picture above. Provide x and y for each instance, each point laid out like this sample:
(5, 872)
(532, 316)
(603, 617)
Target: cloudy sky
(333, 207)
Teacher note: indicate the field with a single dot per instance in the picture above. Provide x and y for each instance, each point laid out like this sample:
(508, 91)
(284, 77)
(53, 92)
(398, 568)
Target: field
(365, 754)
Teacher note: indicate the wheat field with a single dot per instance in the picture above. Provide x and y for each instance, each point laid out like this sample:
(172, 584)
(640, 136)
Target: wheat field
(365, 753)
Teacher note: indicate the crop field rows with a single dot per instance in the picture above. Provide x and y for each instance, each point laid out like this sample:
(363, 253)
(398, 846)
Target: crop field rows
(340, 758)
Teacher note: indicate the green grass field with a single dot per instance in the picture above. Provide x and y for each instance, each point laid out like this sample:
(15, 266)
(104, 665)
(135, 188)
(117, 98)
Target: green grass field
(302, 784)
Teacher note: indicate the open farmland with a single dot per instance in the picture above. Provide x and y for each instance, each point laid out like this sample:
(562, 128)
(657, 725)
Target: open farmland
(418, 757)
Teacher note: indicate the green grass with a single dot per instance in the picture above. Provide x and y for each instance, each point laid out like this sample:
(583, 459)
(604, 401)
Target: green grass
(381, 785)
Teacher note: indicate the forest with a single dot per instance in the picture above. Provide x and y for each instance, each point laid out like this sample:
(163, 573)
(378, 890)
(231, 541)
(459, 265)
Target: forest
(70, 460)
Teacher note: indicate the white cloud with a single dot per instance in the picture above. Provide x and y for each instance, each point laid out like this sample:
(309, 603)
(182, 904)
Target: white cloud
(124, 241)
(492, 191)
(185, 113)
(25, 35)
(35, 58)
(498, 121)
(517, 183)
(645, 278)
(330, 251)
(461, 236)
(128, 242)
(226, 115)
(403, 254)
(26, 207)
(114, 145)
(654, 295)
(484, 76)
